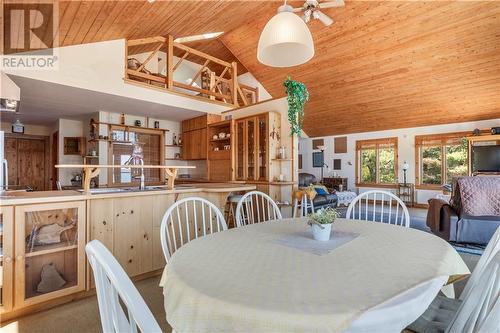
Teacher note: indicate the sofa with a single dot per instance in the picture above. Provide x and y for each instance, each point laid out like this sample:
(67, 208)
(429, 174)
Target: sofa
(472, 215)
(328, 200)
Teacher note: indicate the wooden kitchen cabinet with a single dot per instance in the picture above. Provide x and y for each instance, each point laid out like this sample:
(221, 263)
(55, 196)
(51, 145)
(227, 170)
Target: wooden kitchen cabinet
(6, 258)
(194, 136)
(256, 143)
(50, 255)
(133, 234)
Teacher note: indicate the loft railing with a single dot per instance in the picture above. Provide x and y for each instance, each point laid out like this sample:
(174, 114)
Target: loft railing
(215, 79)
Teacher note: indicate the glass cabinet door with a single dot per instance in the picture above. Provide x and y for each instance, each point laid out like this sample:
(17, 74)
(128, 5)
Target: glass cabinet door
(6, 259)
(49, 248)
(262, 145)
(240, 150)
(251, 162)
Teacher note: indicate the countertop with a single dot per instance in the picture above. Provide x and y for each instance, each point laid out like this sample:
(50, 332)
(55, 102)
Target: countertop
(21, 198)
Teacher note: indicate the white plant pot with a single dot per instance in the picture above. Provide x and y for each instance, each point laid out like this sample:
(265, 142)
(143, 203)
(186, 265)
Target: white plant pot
(321, 234)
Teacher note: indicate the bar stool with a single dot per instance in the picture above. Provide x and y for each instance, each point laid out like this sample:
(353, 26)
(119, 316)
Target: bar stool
(306, 203)
(230, 209)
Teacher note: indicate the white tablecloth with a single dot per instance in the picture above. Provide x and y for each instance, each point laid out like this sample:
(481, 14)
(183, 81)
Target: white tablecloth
(241, 280)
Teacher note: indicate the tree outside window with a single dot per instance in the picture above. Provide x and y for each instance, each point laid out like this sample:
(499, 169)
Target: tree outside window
(377, 161)
(441, 159)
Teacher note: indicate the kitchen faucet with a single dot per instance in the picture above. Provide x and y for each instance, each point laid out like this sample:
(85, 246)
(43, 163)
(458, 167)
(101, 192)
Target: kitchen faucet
(137, 158)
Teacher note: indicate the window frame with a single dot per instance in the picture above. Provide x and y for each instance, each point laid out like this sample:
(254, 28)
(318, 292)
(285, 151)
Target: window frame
(129, 129)
(377, 143)
(441, 140)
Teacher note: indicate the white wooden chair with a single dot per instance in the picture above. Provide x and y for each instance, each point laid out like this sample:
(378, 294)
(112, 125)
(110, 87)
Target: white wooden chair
(112, 286)
(379, 206)
(478, 312)
(491, 250)
(305, 203)
(188, 219)
(256, 207)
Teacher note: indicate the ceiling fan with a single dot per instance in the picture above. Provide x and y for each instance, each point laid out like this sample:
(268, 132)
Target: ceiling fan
(311, 8)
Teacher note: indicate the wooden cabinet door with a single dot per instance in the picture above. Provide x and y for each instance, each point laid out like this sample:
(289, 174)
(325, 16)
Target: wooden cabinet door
(132, 230)
(101, 221)
(240, 152)
(49, 267)
(203, 143)
(6, 258)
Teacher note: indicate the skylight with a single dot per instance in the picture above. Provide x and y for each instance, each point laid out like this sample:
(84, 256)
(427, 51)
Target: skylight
(208, 35)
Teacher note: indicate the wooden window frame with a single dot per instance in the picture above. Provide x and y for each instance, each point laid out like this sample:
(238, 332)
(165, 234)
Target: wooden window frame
(442, 140)
(377, 143)
(137, 130)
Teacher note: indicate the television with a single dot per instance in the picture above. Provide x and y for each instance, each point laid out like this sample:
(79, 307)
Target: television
(486, 158)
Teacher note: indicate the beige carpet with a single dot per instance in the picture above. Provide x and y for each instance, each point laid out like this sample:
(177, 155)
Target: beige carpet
(83, 316)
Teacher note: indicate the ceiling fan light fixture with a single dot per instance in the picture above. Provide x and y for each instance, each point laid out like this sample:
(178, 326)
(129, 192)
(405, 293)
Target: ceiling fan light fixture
(285, 41)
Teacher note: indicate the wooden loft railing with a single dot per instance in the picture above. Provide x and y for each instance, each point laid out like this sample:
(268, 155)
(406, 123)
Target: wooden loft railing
(218, 78)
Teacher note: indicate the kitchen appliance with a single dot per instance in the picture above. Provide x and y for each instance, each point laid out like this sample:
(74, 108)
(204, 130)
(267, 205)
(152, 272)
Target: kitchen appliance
(4, 170)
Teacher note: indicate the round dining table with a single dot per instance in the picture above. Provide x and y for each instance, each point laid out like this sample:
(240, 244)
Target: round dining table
(273, 277)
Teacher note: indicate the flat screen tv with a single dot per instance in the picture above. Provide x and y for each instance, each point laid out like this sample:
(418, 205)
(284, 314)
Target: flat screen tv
(486, 158)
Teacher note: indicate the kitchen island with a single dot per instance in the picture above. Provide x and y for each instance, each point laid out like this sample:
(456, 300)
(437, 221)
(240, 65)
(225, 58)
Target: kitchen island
(44, 237)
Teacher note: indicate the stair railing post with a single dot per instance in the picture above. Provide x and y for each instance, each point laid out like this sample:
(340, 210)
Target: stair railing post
(234, 82)
(170, 62)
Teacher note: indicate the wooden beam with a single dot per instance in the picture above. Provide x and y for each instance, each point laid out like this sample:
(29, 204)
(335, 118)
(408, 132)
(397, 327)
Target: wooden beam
(202, 54)
(170, 62)
(145, 75)
(234, 85)
(199, 72)
(203, 91)
(149, 57)
(180, 60)
(245, 102)
(212, 84)
(149, 40)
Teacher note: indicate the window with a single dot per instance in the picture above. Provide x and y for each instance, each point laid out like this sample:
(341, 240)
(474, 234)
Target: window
(440, 159)
(121, 150)
(376, 161)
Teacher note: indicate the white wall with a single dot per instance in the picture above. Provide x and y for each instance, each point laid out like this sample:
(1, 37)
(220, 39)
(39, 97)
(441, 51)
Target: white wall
(406, 151)
(68, 128)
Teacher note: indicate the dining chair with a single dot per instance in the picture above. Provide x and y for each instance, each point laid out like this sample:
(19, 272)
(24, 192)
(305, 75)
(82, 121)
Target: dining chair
(379, 206)
(186, 220)
(489, 252)
(115, 288)
(256, 207)
(306, 203)
(478, 312)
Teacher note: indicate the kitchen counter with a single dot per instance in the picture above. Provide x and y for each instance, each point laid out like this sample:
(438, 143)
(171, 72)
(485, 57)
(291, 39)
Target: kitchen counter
(8, 198)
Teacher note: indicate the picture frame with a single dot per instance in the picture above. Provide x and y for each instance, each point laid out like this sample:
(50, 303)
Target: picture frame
(317, 158)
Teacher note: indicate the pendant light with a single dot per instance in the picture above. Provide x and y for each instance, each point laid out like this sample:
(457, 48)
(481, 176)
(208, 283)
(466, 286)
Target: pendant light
(285, 41)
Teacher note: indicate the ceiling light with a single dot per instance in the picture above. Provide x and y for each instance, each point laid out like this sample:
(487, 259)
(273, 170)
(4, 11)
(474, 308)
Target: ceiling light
(285, 41)
(193, 38)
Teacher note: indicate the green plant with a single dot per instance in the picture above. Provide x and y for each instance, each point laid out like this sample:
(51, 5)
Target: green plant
(324, 215)
(297, 97)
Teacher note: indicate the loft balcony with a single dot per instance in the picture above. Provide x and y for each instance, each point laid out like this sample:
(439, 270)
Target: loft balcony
(161, 63)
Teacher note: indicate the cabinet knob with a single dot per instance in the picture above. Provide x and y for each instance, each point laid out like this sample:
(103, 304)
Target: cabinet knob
(8, 259)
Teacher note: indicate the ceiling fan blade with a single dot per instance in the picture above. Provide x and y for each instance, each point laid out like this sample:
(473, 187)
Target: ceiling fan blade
(325, 19)
(331, 4)
(298, 9)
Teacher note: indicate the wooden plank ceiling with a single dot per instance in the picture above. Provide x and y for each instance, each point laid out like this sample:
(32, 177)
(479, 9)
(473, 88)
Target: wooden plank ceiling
(381, 65)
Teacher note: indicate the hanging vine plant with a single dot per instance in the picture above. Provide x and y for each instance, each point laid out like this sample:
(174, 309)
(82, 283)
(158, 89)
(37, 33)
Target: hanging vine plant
(297, 98)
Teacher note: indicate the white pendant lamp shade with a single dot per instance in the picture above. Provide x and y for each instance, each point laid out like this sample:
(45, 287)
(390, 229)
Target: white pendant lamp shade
(285, 41)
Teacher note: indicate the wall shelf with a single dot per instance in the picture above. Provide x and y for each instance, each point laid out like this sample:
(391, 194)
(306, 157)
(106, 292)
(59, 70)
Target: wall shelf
(131, 126)
(47, 249)
(282, 159)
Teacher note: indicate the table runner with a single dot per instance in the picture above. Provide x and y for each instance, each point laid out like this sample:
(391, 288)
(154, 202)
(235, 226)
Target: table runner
(303, 241)
(240, 281)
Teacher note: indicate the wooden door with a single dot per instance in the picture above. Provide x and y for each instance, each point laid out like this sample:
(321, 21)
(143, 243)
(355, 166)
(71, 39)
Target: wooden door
(31, 164)
(240, 151)
(11, 156)
(62, 258)
(7, 259)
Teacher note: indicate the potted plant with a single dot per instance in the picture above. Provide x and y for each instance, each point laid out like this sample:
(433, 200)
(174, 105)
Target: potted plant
(321, 223)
